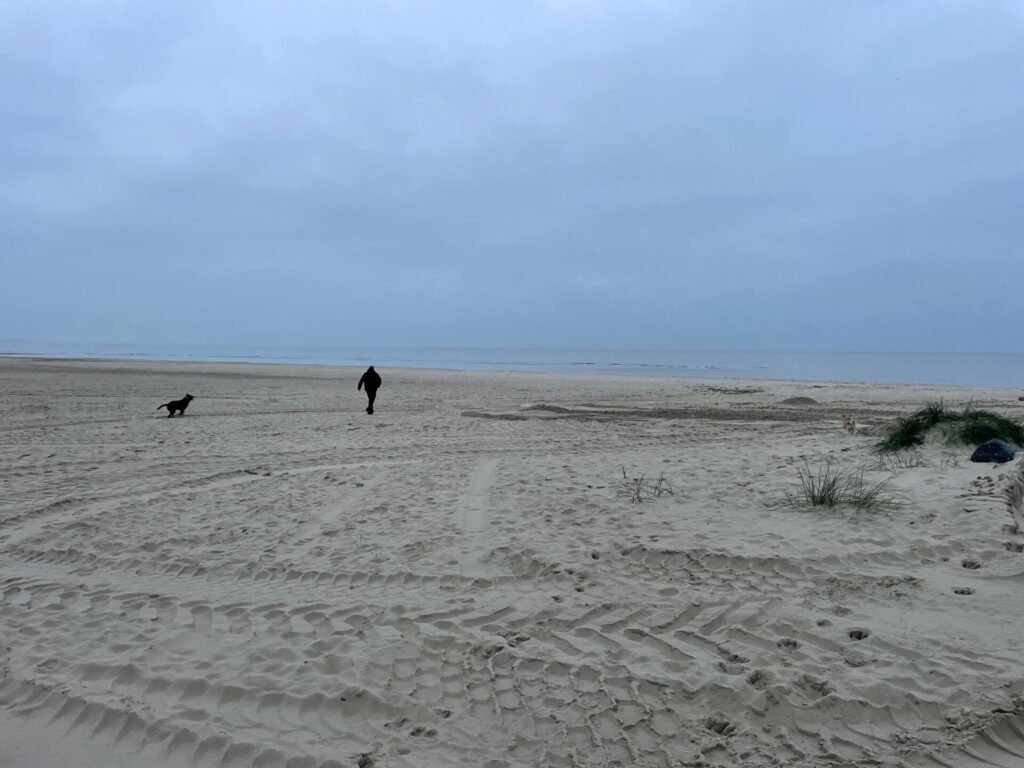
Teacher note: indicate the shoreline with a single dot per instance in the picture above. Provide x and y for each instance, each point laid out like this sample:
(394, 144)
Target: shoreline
(107, 363)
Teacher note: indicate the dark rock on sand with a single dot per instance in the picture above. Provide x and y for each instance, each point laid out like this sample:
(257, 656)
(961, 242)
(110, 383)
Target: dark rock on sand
(995, 451)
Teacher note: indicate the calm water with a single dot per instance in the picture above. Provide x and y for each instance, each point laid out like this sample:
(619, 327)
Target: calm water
(972, 370)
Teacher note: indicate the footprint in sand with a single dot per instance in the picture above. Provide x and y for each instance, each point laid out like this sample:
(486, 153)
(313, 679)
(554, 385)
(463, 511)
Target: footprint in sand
(202, 617)
(720, 726)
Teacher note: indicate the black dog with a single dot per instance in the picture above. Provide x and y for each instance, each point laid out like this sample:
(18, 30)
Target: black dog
(177, 405)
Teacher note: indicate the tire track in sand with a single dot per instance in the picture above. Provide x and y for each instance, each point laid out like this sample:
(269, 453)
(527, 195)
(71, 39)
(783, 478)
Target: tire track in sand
(1001, 744)
(474, 507)
(473, 515)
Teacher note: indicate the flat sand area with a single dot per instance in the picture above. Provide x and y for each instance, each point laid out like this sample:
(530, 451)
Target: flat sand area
(279, 579)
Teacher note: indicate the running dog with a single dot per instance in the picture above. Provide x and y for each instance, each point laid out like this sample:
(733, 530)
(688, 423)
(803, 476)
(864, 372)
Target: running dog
(178, 406)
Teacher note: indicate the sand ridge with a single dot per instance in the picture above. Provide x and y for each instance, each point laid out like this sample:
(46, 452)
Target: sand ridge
(279, 579)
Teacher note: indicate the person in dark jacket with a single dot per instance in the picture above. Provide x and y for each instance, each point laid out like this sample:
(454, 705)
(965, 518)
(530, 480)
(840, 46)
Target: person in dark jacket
(370, 380)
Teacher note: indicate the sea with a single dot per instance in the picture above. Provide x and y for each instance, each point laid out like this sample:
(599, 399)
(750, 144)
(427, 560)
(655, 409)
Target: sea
(978, 370)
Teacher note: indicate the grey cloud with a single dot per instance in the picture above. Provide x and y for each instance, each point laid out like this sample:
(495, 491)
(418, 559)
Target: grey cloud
(787, 175)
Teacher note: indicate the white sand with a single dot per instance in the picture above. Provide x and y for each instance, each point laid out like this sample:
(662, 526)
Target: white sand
(278, 579)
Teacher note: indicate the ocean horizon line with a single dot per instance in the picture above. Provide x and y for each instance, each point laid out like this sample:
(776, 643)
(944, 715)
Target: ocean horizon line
(966, 369)
(19, 342)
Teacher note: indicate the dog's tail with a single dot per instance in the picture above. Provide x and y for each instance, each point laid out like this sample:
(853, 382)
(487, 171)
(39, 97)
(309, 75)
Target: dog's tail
(162, 406)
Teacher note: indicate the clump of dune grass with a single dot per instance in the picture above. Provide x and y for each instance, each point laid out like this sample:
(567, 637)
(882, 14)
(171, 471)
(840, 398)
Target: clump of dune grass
(949, 460)
(970, 426)
(639, 487)
(977, 426)
(831, 486)
(910, 432)
(892, 462)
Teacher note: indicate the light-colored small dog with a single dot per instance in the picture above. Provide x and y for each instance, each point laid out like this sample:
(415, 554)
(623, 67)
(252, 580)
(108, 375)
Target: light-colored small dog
(849, 424)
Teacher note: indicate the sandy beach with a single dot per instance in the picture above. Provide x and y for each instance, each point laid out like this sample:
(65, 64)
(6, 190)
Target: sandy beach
(279, 579)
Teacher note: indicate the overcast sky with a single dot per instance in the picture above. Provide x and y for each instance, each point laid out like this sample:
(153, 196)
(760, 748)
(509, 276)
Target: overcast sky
(562, 173)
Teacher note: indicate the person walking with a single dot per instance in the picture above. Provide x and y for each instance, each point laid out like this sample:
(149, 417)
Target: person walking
(371, 381)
